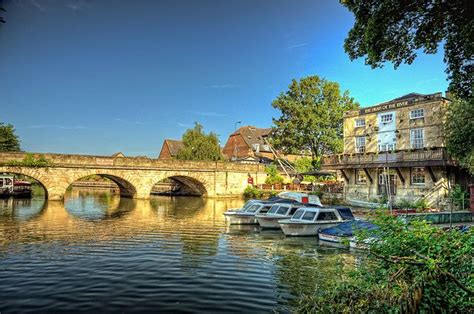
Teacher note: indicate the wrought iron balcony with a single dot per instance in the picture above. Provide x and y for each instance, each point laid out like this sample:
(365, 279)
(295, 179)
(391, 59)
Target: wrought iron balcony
(402, 158)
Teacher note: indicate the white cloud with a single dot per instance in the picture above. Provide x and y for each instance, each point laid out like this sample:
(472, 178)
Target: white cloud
(184, 125)
(296, 46)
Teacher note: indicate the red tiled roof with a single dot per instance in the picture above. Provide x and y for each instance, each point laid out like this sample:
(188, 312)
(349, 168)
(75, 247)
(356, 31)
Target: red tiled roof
(174, 146)
(253, 135)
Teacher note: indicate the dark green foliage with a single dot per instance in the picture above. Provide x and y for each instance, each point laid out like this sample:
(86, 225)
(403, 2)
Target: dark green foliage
(311, 117)
(459, 130)
(305, 164)
(395, 30)
(31, 161)
(199, 145)
(459, 197)
(411, 268)
(252, 192)
(273, 175)
(9, 141)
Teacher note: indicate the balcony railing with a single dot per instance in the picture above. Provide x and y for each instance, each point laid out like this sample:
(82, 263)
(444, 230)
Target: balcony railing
(419, 157)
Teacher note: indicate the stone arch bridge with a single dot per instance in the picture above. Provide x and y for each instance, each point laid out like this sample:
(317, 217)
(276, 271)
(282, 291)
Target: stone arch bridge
(135, 176)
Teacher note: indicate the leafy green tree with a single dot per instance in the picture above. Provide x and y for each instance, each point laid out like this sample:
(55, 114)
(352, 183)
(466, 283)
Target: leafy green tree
(9, 141)
(197, 145)
(396, 30)
(459, 130)
(273, 175)
(311, 117)
(305, 164)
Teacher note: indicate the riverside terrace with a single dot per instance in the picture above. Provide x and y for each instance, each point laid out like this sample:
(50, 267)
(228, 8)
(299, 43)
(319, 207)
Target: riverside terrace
(135, 177)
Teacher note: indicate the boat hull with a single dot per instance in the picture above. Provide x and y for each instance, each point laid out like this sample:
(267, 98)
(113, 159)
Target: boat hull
(303, 229)
(331, 238)
(237, 219)
(270, 222)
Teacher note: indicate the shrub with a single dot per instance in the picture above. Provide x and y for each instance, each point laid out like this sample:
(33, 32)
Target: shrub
(458, 197)
(30, 161)
(412, 268)
(252, 192)
(421, 204)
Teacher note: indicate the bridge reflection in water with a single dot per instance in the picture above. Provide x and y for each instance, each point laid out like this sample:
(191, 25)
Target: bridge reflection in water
(97, 251)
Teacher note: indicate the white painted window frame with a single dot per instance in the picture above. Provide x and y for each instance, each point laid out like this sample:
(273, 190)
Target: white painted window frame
(413, 172)
(386, 115)
(415, 140)
(360, 122)
(360, 148)
(414, 114)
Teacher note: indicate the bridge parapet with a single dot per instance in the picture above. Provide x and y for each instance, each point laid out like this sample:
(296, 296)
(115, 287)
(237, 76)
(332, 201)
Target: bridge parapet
(130, 162)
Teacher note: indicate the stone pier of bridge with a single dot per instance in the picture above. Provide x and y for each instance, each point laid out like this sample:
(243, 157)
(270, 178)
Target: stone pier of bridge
(135, 176)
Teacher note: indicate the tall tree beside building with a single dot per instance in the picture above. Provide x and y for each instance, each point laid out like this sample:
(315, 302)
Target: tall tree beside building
(197, 145)
(459, 129)
(311, 117)
(396, 30)
(9, 141)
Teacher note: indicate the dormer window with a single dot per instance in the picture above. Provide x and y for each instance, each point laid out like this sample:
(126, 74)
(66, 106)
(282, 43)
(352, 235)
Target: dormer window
(417, 113)
(386, 118)
(360, 122)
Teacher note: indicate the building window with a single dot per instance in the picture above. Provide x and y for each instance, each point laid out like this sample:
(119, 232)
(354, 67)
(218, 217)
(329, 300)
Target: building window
(416, 138)
(387, 147)
(360, 144)
(386, 118)
(256, 147)
(418, 176)
(417, 113)
(361, 177)
(360, 122)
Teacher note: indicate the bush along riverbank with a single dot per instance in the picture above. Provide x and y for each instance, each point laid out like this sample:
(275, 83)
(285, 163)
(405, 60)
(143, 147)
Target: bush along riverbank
(409, 268)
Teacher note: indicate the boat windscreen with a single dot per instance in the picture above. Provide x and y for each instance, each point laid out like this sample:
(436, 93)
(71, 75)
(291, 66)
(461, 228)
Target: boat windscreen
(298, 214)
(282, 210)
(309, 216)
(248, 204)
(346, 213)
(273, 209)
(253, 208)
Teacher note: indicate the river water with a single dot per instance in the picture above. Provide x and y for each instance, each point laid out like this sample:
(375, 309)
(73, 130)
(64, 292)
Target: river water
(96, 252)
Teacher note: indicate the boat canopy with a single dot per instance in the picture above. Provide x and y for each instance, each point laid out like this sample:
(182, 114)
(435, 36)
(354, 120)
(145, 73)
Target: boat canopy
(348, 228)
(345, 212)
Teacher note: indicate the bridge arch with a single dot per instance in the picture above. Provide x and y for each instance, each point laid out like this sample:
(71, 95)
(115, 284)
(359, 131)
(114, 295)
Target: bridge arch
(191, 184)
(127, 186)
(33, 173)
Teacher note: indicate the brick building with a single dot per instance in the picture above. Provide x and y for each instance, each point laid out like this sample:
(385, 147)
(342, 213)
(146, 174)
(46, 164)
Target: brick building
(406, 137)
(170, 149)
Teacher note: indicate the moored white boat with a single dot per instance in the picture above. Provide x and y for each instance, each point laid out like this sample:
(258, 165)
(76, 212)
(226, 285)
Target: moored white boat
(308, 221)
(365, 204)
(278, 211)
(247, 216)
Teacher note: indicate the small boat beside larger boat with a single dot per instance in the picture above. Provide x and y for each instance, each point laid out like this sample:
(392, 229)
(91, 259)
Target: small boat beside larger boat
(278, 211)
(345, 230)
(247, 216)
(309, 220)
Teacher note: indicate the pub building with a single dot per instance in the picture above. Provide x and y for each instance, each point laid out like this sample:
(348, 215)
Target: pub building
(398, 147)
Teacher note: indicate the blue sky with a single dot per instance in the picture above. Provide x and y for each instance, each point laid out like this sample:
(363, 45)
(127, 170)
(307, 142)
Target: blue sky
(97, 77)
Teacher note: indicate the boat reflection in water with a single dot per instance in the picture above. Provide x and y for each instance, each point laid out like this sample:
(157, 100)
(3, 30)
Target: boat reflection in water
(97, 252)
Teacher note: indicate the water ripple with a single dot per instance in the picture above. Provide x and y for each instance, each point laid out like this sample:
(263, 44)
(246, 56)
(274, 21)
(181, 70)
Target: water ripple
(97, 252)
